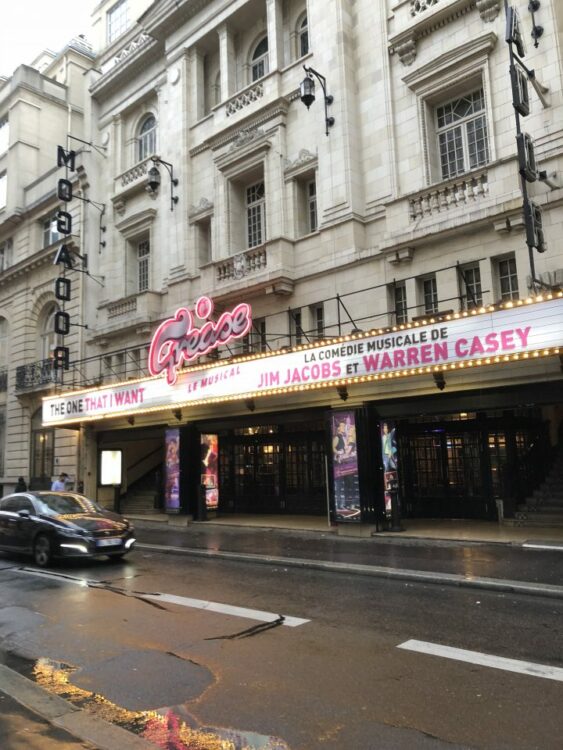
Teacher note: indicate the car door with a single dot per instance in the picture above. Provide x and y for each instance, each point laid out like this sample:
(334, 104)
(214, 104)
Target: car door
(9, 523)
(17, 530)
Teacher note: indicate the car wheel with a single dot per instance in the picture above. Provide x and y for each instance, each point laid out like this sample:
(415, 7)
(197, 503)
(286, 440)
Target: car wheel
(42, 551)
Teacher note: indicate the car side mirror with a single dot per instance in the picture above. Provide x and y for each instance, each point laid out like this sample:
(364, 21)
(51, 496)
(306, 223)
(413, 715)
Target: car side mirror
(24, 513)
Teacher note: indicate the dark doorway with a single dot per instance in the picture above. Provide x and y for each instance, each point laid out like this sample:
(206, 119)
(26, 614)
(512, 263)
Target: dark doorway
(273, 469)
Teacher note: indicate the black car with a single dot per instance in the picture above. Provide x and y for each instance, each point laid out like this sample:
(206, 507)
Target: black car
(61, 524)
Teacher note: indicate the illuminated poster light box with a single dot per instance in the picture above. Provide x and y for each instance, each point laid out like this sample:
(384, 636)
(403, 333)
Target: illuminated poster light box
(110, 468)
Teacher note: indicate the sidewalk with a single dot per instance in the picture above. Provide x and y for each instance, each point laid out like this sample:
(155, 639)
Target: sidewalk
(472, 554)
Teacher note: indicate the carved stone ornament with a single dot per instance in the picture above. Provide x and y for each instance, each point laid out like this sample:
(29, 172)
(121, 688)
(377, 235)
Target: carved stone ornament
(201, 207)
(239, 266)
(488, 9)
(245, 137)
(406, 49)
(304, 157)
(119, 206)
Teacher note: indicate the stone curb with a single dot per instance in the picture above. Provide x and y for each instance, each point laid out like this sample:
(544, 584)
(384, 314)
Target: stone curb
(402, 574)
(60, 713)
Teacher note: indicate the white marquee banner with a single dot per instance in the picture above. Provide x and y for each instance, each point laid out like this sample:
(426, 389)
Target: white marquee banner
(517, 330)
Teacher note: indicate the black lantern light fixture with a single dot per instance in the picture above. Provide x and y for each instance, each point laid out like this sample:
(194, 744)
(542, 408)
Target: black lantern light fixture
(307, 91)
(154, 179)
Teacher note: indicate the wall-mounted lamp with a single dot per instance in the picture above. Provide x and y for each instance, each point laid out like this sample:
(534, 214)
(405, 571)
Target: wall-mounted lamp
(307, 90)
(249, 403)
(342, 392)
(154, 179)
(439, 380)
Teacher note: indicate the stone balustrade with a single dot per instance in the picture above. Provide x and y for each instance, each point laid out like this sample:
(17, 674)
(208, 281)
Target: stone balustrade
(244, 99)
(461, 192)
(241, 265)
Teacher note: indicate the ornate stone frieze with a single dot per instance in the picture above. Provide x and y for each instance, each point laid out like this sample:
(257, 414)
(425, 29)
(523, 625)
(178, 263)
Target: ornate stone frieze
(245, 137)
(488, 9)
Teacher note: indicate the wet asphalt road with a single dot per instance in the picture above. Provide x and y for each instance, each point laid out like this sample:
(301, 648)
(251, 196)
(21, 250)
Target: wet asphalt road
(505, 561)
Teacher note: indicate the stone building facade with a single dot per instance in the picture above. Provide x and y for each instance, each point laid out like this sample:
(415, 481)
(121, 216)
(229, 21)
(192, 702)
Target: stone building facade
(393, 204)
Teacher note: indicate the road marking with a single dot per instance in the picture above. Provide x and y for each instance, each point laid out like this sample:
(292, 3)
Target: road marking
(226, 609)
(529, 545)
(182, 601)
(485, 660)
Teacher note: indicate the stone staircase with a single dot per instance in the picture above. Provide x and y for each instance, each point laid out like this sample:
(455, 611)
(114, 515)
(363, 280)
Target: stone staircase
(545, 507)
(139, 502)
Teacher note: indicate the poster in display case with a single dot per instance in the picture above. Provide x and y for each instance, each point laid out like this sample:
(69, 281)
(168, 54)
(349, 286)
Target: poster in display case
(172, 471)
(390, 457)
(210, 470)
(345, 466)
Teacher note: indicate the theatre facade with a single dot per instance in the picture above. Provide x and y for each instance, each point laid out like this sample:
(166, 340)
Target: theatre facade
(450, 417)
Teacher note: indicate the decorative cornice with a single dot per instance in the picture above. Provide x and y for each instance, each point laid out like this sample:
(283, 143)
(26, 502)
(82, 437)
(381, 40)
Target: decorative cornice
(200, 210)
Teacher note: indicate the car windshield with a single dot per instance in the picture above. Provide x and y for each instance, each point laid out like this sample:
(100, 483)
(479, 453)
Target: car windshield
(66, 504)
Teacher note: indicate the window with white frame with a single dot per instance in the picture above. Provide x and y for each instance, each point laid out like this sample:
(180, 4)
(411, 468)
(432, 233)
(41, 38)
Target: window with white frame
(295, 327)
(4, 135)
(146, 142)
(318, 320)
(4, 343)
(471, 289)
(255, 214)
(461, 130)
(312, 205)
(5, 255)
(400, 303)
(48, 339)
(302, 36)
(50, 232)
(3, 189)
(259, 62)
(143, 265)
(117, 20)
(258, 335)
(507, 279)
(430, 295)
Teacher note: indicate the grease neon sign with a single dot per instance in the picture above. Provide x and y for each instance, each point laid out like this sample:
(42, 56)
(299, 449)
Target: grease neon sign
(177, 340)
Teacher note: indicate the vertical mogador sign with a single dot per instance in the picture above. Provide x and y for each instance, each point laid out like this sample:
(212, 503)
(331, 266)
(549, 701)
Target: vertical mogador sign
(177, 340)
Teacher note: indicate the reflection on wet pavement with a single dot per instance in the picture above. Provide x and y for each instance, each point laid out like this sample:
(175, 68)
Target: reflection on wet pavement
(168, 728)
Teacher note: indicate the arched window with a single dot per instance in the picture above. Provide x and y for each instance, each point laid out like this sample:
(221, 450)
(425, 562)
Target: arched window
(146, 143)
(260, 59)
(302, 36)
(48, 339)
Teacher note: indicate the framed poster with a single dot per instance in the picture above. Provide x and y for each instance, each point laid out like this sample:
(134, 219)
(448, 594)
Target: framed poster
(210, 470)
(172, 471)
(390, 457)
(345, 466)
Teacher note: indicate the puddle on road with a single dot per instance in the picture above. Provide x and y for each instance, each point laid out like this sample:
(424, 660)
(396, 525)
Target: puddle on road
(166, 728)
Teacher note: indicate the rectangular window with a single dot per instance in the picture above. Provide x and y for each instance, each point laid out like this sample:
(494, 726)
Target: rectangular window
(463, 142)
(4, 135)
(117, 21)
(295, 327)
(255, 214)
(472, 292)
(50, 233)
(259, 335)
(400, 299)
(318, 319)
(430, 294)
(312, 205)
(3, 189)
(5, 255)
(508, 279)
(143, 259)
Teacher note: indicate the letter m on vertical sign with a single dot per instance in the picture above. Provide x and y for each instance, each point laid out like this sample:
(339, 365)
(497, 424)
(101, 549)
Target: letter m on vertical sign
(65, 158)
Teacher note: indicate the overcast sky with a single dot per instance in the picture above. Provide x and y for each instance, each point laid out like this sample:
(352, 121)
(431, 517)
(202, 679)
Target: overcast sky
(29, 26)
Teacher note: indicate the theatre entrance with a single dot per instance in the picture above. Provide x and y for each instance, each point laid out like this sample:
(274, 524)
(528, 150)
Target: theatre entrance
(273, 468)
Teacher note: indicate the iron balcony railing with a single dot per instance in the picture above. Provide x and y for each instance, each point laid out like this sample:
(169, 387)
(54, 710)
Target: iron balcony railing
(35, 375)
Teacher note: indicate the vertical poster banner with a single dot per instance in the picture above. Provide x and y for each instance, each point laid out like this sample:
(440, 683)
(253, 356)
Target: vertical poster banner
(345, 466)
(172, 471)
(210, 470)
(389, 454)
